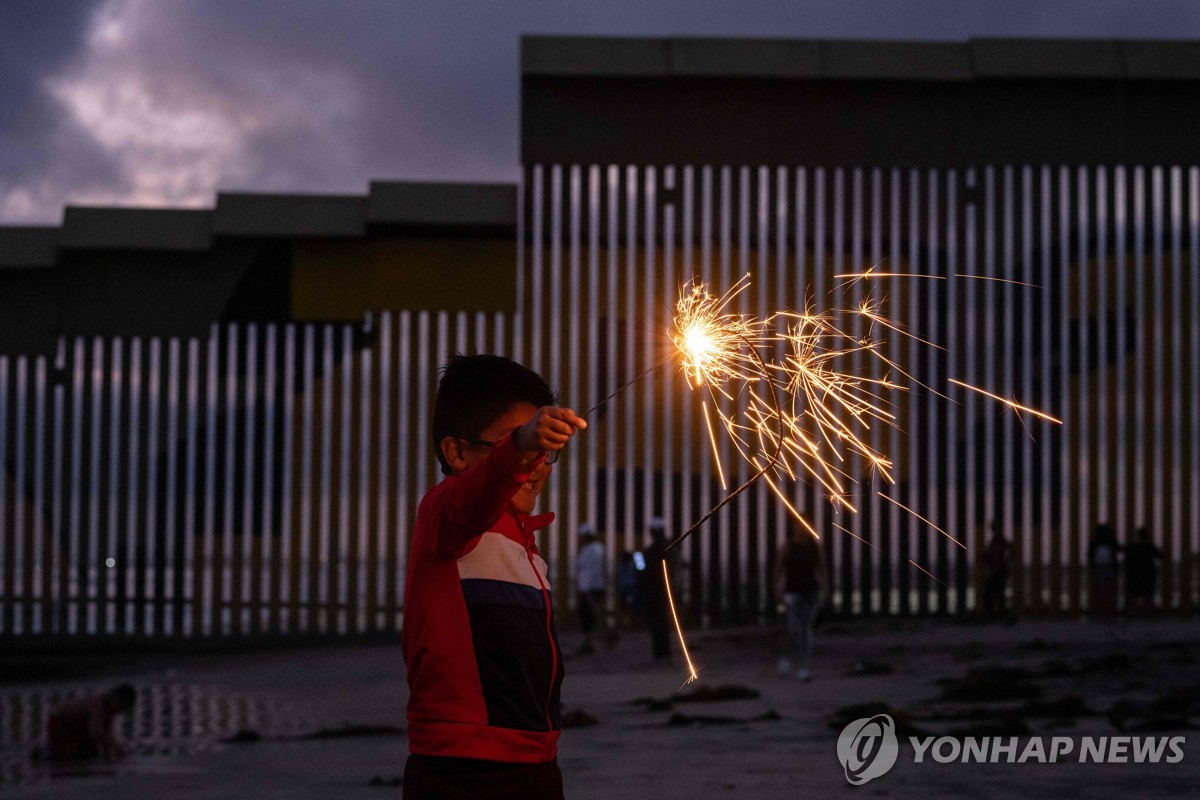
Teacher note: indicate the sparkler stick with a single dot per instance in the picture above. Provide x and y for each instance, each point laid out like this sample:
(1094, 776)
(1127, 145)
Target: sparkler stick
(629, 383)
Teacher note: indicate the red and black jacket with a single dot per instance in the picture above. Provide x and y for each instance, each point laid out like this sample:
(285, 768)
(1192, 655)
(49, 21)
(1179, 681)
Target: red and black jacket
(484, 670)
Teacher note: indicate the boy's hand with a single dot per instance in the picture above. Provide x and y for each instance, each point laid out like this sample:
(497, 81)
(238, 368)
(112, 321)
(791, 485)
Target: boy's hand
(549, 429)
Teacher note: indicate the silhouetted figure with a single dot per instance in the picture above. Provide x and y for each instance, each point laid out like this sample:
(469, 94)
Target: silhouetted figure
(797, 587)
(591, 581)
(1141, 573)
(996, 558)
(628, 590)
(82, 728)
(654, 592)
(1103, 554)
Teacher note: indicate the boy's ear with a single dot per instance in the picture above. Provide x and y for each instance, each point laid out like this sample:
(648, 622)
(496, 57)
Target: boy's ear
(454, 452)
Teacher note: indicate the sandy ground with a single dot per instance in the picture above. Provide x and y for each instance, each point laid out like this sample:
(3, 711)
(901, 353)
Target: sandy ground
(1089, 677)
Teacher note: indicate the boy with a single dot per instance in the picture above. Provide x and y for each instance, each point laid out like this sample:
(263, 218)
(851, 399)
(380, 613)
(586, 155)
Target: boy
(484, 667)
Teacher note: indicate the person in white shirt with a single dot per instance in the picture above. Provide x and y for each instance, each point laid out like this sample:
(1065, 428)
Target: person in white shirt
(591, 583)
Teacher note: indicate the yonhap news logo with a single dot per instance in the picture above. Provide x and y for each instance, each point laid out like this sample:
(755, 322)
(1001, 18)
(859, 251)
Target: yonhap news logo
(868, 748)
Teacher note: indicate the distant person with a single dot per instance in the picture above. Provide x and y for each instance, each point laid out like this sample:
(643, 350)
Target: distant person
(996, 558)
(654, 592)
(628, 590)
(591, 582)
(1141, 572)
(82, 728)
(797, 587)
(1103, 553)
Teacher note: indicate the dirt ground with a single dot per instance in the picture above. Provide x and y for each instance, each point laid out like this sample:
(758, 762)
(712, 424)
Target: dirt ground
(329, 723)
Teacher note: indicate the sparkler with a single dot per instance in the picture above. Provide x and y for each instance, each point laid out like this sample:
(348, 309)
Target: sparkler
(804, 414)
(828, 409)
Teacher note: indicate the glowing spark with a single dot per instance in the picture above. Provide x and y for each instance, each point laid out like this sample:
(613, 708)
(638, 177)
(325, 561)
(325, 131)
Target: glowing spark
(927, 572)
(713, 438)
(803, 402)
(865, 275)
(1010, 403)
(856, 536)
(998, 280)
(693, 674)
(927, 522)
(713, 341)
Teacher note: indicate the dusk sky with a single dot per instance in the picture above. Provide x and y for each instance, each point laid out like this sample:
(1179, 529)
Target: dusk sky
(163, 102)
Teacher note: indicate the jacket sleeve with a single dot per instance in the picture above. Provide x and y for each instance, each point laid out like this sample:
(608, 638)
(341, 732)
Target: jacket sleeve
(476, 498)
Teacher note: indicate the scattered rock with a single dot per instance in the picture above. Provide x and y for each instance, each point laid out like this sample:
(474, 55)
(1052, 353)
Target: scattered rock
(1071, 705)
(1004, 726)
(353, 731)
(679, 720)
(694, 720)
(1184, 699)
(990, 684)
(1129, 716)
(1056, 668)
(868, 667)
(578, 719)
(653, 704)
(1038, 644)
(701, 694)
(1057, 724)
(847, 714)
(1113, 662)
(968, 652)
(715, 694)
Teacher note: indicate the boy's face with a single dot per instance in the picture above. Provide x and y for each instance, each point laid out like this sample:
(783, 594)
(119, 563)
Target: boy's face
(516, 416)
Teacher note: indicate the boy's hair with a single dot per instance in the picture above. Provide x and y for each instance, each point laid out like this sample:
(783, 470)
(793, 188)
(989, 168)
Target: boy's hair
(475, 390)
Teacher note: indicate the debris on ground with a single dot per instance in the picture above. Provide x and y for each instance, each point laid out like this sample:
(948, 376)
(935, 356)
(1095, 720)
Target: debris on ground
(847, 714)
(868, 667)
(352, 731)
(989, 684)
(578, 719)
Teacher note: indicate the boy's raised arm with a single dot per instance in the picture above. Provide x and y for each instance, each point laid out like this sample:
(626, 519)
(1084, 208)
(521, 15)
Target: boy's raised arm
(473, 502)
(477, 498)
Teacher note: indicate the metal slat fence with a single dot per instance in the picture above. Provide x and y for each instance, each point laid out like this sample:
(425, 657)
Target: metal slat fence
(263, 480)
(260, 481)
(1083, 301)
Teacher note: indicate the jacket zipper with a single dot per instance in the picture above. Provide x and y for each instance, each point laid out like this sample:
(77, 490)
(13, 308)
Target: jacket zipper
(549, 634)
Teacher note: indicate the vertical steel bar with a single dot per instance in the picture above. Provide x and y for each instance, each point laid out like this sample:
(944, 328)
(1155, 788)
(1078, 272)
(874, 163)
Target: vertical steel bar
(60, 536)
(110, 613)
(628, 416)
(306, 557)
(288, 594)
(187, 585)
(1065, 467)
(152, 579)
(41, 553)
(554, 374)
(129, 561)
(365, 556)
(245, 618)
(225, 615)
(76, 613)
(324, 599)
(384, 531)
(269, 595)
